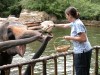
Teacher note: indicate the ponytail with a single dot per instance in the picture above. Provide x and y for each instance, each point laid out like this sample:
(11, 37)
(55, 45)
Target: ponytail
(73, 12)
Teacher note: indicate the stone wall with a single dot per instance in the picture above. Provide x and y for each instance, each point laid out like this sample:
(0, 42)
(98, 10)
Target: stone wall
(35, 16)
(91, 22)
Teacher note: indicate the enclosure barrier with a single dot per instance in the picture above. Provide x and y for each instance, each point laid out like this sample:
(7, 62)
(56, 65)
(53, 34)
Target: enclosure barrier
(44, 61)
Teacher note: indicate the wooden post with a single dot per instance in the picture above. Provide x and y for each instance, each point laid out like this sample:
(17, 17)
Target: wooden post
(55, 64)
(96, 60)
(7, 71)
(32, 68)
(20, 69)
(64, 64)
(44, 68)
(73, 63)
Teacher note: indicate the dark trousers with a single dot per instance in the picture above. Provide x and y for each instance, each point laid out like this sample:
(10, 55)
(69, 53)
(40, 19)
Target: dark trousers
(82, 63)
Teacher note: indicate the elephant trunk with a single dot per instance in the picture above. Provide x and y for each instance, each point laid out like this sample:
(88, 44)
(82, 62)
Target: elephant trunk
(38, 53)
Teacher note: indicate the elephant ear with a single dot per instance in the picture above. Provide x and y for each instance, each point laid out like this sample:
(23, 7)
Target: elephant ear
(18, 33)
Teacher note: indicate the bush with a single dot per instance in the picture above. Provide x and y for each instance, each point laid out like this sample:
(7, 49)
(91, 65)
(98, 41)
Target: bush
(4, 13)
(7, 7)
(56, 7)
(87, 9)
(15, 9)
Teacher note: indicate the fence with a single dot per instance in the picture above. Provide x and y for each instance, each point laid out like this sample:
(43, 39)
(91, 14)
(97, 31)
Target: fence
(44, 61)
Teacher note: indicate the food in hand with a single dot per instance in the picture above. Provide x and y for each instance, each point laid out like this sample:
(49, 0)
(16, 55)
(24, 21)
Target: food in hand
(46, 26)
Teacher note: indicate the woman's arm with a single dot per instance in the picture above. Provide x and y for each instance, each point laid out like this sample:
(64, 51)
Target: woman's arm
(61, 25)
(80, 38)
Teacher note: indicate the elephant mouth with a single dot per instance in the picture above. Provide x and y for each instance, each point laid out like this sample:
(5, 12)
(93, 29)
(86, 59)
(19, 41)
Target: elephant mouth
(20, 49)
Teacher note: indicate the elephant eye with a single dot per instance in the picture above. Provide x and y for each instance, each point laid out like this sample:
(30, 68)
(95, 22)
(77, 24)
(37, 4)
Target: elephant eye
(10, 35)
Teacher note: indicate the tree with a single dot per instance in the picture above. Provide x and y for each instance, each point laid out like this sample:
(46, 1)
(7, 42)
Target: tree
(6, 7)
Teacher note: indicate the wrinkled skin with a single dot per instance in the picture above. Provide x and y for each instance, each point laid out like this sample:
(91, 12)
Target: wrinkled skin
(16, 35)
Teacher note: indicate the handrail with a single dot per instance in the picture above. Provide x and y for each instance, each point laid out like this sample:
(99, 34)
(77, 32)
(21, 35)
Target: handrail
(35, 60)
(44, 61)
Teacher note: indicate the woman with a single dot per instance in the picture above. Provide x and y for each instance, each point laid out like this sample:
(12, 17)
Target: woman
(82, 48)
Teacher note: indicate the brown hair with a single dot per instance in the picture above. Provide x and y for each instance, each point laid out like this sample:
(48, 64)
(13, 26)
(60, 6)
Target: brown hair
(73, 12)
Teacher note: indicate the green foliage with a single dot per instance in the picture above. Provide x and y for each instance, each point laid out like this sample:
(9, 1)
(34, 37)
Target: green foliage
(5, 4)
(4, 13)
(6, 7)
(15, 9)
(95, 1)
(56, 7)
(87, 9)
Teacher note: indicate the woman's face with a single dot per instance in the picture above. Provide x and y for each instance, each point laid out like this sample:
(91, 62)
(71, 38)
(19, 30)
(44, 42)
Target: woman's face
(69, 17)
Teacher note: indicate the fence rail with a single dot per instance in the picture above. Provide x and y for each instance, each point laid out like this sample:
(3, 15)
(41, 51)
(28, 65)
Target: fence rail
(44, 61)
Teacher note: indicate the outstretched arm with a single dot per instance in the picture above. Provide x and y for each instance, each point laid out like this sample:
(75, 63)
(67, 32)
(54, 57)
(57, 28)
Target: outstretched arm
(62, 25)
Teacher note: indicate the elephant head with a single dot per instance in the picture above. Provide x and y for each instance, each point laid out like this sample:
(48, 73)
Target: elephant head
(13, 35)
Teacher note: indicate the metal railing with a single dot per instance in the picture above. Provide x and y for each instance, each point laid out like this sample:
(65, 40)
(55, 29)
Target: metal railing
(44, 61)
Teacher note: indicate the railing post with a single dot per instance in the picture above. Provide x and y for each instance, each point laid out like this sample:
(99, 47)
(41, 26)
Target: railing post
(7, 71)
(20, 69)
(73, 64)
(44, 68)
(32, 68)
(64, 64)
(96, 60)
(55, 64)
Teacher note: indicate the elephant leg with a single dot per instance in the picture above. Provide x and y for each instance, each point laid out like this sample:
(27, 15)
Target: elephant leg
(38, 54)
(5, 59)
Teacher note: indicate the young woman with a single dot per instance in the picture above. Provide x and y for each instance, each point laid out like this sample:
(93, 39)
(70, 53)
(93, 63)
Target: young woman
(82, 48)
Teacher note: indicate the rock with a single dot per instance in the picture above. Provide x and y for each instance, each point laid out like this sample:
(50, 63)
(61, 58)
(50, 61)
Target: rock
(12, 18)
(32, 19)
(33, 16)
(53, 18)
(91, 22)
(2, 20)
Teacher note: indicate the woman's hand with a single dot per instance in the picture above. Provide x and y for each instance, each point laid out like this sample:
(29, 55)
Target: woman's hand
(47, 26)
(51, 25)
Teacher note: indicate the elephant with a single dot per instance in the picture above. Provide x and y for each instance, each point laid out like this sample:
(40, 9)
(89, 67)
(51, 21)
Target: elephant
(13, 40)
